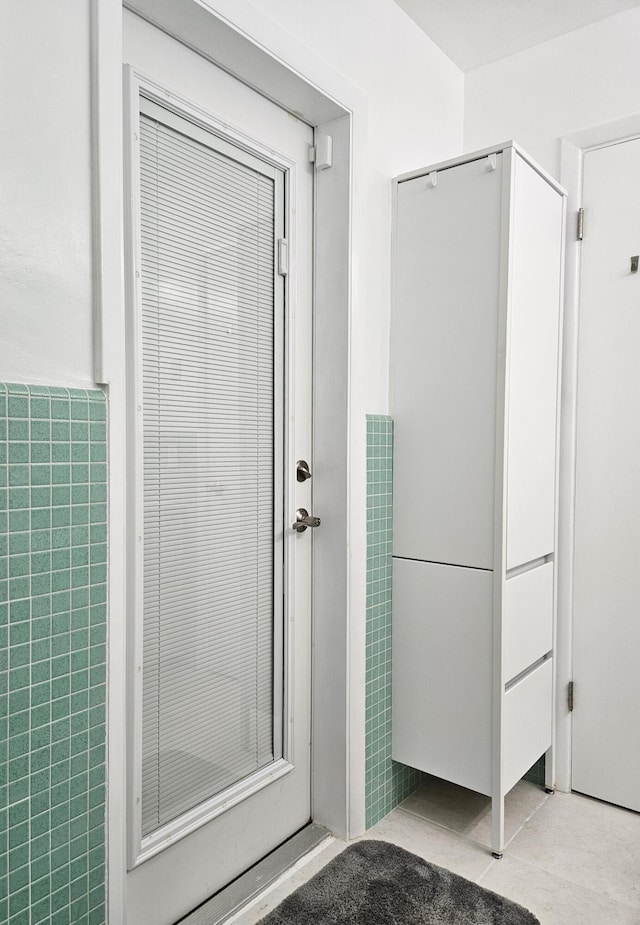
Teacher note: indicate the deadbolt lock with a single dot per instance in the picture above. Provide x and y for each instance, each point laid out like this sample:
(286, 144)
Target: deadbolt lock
(303, 472)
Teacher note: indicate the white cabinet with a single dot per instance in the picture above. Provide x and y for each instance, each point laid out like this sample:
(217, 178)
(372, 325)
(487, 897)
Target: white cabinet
(477, 275)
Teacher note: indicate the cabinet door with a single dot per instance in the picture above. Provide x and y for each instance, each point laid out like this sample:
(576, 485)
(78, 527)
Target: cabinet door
(443, 373)
(532, 378)
(442, 671)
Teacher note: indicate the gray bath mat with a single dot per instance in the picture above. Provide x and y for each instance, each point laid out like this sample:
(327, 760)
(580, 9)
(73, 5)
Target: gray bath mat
(375, 883)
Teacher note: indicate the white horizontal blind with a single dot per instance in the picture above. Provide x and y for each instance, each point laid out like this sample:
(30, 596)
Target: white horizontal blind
(207, 239)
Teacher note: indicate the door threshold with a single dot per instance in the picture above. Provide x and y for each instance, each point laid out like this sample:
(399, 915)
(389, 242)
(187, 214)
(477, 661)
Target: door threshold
(222, 905)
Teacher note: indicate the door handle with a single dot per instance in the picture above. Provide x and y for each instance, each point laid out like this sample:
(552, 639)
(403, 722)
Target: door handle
(304, 519)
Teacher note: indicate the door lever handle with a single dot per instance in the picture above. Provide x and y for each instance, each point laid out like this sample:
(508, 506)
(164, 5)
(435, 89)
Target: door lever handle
(304, 519)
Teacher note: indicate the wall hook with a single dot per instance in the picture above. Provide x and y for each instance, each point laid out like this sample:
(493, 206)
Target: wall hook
(634, 263)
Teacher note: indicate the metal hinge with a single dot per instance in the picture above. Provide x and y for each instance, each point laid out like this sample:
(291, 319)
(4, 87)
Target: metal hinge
(283, 257)
(570, 696)
(580, 227)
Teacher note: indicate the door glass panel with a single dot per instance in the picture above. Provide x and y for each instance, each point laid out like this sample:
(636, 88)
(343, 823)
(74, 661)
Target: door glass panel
(210, 496)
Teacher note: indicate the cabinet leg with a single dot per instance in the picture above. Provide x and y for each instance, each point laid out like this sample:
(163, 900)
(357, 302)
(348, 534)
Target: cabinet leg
(497, 826)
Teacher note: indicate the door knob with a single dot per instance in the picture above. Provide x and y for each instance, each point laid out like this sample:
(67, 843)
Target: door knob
(304, 519)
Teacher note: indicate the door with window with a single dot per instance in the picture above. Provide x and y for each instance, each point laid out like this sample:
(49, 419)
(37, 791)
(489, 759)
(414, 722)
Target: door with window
(219, 322)
(606, 644)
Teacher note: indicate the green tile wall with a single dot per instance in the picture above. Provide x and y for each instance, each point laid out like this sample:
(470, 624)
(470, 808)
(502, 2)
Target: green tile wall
(53, 554)
(535, 774)
(387, 783)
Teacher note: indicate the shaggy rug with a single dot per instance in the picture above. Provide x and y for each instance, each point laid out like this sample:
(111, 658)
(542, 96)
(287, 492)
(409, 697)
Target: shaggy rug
(375, 883)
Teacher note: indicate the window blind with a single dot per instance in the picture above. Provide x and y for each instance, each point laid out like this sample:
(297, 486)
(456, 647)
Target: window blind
(207, 242)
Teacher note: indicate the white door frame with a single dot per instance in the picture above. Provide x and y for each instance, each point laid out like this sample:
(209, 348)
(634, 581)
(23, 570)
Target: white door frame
(573, 149)
(337, 696)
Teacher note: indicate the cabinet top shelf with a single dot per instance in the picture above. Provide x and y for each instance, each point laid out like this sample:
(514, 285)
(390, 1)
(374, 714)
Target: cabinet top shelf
(478, 155)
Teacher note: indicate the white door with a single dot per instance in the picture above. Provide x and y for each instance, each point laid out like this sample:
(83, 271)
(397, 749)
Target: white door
(606, 654)
(219, 320)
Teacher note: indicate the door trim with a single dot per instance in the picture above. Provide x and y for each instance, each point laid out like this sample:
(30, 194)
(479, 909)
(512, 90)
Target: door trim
(261, 54)
(572, 150)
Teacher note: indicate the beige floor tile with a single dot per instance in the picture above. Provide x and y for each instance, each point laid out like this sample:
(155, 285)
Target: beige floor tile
(468, 812)
(587, 842)
(433, 843)
(552, 899)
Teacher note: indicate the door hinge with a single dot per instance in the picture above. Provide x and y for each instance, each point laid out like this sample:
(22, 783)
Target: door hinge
(321, 154)
(283, 257)
(580, 223)
(570, 696)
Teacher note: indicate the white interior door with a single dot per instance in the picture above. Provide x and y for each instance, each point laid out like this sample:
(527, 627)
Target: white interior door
(220, 398)
(606, 732)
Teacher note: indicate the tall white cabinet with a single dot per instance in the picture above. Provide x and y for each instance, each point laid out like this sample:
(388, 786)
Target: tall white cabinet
(477, 275)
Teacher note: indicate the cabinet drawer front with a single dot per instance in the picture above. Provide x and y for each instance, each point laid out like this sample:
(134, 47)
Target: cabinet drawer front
(527, 723)
(528, 619)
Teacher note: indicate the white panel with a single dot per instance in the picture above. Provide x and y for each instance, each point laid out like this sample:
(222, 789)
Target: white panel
(533, 367)
(527, 719)
(207, 240)
(528, 619)
(441, 701)
(443, 364)
(606, 644)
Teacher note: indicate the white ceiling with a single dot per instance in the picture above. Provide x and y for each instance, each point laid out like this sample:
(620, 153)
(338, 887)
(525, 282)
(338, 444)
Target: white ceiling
(477, 32)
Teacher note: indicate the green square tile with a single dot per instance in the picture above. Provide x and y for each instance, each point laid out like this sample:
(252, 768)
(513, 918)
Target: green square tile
(98, 472)
(80, 514)
(80, 493)
(18, 453)
(41, 584)
(40, 408)
(40, 431)
(97, 411)
(40, 863)
(79, 410)
(60, 432)
(40, 910)
(18, 475)
(60, 559)
(41, 497)
(61, 453)
(60, 474)
(61, 495)
(79, 452)
(18, 430)
(98, 432)
(61, 581)
(60, 409)
(19, 543)
(18, 407)
(79, 472)
(79, 555)
(18, 498)
(19, 566)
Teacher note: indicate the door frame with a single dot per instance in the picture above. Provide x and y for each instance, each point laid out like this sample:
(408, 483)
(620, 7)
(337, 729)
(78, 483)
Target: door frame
(223, 37)
(573, 147)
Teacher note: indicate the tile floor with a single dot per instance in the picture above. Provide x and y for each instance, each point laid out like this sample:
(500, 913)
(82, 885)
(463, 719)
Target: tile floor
(570, 859)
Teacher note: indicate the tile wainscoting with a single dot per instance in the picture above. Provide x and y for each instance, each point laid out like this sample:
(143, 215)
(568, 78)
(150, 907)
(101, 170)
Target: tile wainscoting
(387, 783)
(53, 611)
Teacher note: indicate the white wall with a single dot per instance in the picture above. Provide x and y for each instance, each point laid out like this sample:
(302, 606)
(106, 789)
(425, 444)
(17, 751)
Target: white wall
(576, 81)
(45, 193)
(414, 97)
